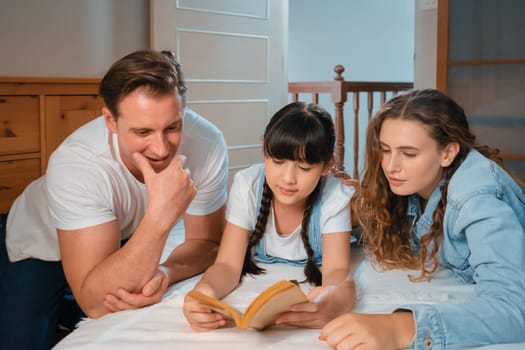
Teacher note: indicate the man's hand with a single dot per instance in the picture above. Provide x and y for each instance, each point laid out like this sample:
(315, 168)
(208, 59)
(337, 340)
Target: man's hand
(170, 191)
(151, 294)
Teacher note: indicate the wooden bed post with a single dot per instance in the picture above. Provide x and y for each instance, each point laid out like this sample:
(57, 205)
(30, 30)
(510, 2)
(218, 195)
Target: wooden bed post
(339, 99)
(339, 89)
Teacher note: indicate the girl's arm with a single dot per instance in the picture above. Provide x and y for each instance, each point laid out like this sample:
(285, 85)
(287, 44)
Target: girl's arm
(337, 293)
(219, 279)
(336, 258)
(223, 276)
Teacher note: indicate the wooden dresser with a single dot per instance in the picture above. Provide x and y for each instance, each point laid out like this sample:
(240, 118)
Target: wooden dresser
(36, 114)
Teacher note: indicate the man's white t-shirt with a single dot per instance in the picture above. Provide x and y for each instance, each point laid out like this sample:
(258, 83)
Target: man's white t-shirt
(240, 211)
(86, 184)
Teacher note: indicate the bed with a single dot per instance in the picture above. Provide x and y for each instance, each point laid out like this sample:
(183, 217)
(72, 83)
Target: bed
(163, 326)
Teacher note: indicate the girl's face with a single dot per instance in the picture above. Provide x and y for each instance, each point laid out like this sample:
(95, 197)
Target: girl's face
(412, 161)
(292, 182)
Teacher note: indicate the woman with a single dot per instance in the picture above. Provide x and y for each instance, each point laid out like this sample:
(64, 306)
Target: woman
(431, 197)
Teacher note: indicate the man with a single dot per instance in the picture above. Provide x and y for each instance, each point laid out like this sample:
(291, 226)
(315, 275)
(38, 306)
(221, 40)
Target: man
(127, 176)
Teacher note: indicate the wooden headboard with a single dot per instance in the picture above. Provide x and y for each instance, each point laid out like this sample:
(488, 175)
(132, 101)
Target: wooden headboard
(339, 89)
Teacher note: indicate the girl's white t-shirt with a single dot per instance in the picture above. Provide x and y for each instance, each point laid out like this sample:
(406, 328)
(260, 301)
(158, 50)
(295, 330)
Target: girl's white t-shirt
(334, 216)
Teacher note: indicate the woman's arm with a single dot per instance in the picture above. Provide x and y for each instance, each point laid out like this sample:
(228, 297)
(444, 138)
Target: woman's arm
(494, 260)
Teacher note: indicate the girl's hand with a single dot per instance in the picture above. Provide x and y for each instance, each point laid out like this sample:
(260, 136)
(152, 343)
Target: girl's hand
(371, 332)
(201, 318)
(326, 303)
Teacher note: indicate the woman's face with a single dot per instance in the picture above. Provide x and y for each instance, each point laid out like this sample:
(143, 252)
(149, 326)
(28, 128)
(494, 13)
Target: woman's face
(412, 161)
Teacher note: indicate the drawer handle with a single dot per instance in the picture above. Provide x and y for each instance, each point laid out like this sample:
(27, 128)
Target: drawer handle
(8, 132)
(4, 188)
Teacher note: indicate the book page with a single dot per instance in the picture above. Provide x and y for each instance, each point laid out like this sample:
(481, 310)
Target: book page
(275, 300)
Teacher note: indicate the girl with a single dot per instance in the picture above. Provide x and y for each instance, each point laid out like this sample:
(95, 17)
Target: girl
(430, 197)
(290, 210)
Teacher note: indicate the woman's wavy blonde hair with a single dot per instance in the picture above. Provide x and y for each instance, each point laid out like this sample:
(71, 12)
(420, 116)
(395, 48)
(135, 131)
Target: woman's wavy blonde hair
(387, 232)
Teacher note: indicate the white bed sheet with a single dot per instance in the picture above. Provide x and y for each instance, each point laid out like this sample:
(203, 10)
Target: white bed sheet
(163, 326)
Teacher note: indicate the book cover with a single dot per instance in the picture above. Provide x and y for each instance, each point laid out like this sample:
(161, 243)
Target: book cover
(263, 310)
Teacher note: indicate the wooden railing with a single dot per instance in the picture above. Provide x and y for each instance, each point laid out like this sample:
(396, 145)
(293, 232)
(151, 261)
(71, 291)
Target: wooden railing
(339, 89)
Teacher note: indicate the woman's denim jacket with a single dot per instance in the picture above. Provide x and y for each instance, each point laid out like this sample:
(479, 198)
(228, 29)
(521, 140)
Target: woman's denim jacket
(484, 244)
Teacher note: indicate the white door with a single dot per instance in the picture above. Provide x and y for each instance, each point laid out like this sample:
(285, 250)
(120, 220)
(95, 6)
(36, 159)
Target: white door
(233, 56)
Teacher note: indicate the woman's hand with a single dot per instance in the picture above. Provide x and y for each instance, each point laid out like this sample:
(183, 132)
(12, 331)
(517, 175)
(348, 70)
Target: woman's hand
(370, 331)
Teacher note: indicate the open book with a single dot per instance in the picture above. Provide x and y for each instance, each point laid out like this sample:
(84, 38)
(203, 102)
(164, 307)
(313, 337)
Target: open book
(263, 310)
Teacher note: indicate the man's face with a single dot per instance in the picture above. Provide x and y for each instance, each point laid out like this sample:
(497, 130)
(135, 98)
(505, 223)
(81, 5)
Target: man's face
(150, 125)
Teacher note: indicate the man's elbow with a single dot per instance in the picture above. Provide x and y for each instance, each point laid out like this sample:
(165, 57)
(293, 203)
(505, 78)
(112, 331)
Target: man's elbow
(91, 309)
(96, 312)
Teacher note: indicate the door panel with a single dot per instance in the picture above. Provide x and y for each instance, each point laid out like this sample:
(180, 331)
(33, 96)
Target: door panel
(233, 56)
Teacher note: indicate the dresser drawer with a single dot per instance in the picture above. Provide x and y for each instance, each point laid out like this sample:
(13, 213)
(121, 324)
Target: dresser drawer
(65, 114)
(19, 124)
(15, 175)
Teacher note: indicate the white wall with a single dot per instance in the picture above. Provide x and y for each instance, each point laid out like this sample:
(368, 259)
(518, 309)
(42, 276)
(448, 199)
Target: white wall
(69, 37)
(372, 39)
